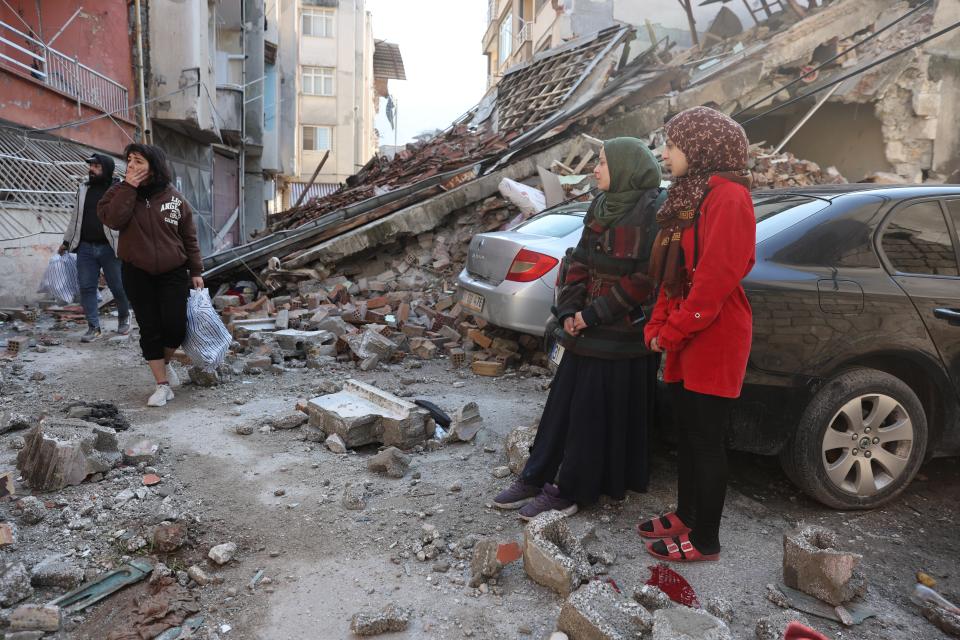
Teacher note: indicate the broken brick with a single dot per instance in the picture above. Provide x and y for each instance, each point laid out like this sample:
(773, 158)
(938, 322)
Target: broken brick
(480, 338)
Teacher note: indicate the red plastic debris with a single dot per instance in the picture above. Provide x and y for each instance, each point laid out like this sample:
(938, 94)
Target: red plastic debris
(151, 479)
(797, 631)
(674, 585)
(508, 552)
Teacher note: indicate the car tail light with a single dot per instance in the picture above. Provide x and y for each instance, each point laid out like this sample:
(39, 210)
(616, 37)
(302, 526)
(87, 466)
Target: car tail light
(530, 265)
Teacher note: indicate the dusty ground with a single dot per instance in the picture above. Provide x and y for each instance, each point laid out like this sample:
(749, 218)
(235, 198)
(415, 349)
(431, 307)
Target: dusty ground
(324, 563)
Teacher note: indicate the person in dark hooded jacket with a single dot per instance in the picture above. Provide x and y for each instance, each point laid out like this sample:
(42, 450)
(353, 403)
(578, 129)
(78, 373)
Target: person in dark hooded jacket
(96, 247)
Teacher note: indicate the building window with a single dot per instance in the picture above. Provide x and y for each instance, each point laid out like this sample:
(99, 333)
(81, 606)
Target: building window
(317, 138)
(318, 81)
(506, 38)
(317, 23)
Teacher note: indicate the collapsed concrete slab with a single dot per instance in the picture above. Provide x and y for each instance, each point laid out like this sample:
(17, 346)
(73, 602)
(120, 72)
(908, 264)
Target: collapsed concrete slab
(362, 414)
(596, 612)
(552, 554)
(814, 564)
(65, 451)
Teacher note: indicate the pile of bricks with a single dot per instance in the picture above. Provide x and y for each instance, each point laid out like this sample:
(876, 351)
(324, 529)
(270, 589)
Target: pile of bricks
(783, 170)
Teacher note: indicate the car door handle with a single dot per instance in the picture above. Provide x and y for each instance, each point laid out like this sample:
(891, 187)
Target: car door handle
(950, 315)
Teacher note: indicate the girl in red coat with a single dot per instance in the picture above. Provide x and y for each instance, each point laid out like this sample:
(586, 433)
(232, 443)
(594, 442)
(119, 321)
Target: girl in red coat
(702, 319)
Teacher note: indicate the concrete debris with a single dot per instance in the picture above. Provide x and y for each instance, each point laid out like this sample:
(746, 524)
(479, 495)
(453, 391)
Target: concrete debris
(32, 510)
(354, 497)
(777, 597)
(292, 420)
(199, 576)
(168, 537)
(552, 555)
(465, 423)
(684, 623)
(15, 584)
(390, 462)
(773, 627)
(485, 563)
(204, 377)
(8, 534)
(56, 571)
(391, 619)
(596, 612)
(362, 414)
(14, 421)
(814, 564)
(501, 472)
(65, 452)
(223, 553)
(106, 414)
(721, 608)
(518, 446)
(335, 444)
(36, 617)
(652, 598)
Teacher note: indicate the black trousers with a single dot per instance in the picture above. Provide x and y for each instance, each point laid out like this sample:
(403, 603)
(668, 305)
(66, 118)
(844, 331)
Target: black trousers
(592, 438)
(701, 426)
(160, 304)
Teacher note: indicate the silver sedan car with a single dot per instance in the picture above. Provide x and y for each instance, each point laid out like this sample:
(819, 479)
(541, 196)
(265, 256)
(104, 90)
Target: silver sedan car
(510, 276)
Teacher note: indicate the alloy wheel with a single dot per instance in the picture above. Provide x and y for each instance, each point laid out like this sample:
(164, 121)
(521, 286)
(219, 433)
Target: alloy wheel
(867, 444)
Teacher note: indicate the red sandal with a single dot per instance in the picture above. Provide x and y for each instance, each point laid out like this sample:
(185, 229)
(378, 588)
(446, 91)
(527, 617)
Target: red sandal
(676, 527)
(680, 549)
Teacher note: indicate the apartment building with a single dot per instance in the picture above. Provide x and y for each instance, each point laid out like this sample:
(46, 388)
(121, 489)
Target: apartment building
(330, 93)
(67, 81)
(517, 30)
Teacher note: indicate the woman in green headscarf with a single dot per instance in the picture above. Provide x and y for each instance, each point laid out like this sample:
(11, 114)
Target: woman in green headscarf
(593, 433)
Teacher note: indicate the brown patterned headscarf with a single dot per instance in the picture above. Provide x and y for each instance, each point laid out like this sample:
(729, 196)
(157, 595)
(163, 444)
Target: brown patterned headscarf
(715, 145)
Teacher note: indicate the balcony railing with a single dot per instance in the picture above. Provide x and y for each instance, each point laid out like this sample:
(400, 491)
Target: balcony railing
(61, 72)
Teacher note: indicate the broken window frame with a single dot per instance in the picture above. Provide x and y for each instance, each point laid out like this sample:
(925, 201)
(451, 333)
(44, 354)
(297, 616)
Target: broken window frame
(318, 81)
(314, 137)
(320, 21)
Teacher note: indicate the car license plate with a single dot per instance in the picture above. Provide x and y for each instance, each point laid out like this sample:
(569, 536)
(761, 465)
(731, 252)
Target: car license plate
(472, 301)
(556, 354)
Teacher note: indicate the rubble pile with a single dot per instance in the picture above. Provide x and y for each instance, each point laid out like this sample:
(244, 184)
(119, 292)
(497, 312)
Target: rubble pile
(783, 170)
(456, 148)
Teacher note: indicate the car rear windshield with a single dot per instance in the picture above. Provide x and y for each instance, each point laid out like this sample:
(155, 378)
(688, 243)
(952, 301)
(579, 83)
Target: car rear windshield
(552, 225)
(775, 213)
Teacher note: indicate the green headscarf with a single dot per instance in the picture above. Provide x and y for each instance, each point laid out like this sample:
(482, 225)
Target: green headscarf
(633, 170)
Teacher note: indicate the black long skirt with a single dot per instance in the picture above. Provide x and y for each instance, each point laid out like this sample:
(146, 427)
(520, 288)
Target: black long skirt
(592, 438)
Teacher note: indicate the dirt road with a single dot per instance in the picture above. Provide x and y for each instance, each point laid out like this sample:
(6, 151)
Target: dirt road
(323, 563)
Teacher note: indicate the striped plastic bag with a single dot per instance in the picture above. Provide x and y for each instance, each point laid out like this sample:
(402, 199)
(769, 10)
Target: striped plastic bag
(60, 278)
(207, 340)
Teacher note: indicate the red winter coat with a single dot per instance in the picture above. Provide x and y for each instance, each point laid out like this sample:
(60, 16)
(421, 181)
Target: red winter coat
(707, 335)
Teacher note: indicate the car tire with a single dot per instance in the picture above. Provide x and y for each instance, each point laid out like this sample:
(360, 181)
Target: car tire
(860, 441)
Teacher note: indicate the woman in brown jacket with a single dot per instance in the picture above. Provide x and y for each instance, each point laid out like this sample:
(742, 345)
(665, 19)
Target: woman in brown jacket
(160, 255)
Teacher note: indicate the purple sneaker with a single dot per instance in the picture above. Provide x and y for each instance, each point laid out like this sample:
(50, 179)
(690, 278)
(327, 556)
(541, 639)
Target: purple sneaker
(516, 495)
(548, 500)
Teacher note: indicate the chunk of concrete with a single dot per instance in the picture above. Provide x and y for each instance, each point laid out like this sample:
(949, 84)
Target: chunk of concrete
(774, 627)
(684, 623)
(370, 343)
(813, 563)
(64, 452)
(652, 598)
(14, 584)
(485, 563)
(292, 420)
(465, 423)
(390, 462)
(36, 617)
(596, 612)
(223, 553)
(518, 446)
(294, 342)
(335, 444)
(391, 619)
(56, 571)
(552, 555)
(362, 414)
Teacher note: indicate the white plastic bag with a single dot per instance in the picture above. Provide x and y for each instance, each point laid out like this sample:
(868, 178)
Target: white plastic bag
(528, 199)
(207, 340)
(60, 278)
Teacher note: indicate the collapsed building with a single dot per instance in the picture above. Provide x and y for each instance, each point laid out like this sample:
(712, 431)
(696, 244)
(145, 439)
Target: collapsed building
(868, 92)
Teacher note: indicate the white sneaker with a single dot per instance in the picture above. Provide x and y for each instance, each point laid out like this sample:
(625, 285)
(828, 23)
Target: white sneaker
(161, 396)
(172, 378)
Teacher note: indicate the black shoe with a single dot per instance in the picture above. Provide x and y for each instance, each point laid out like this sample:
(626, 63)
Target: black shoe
(92, 334)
